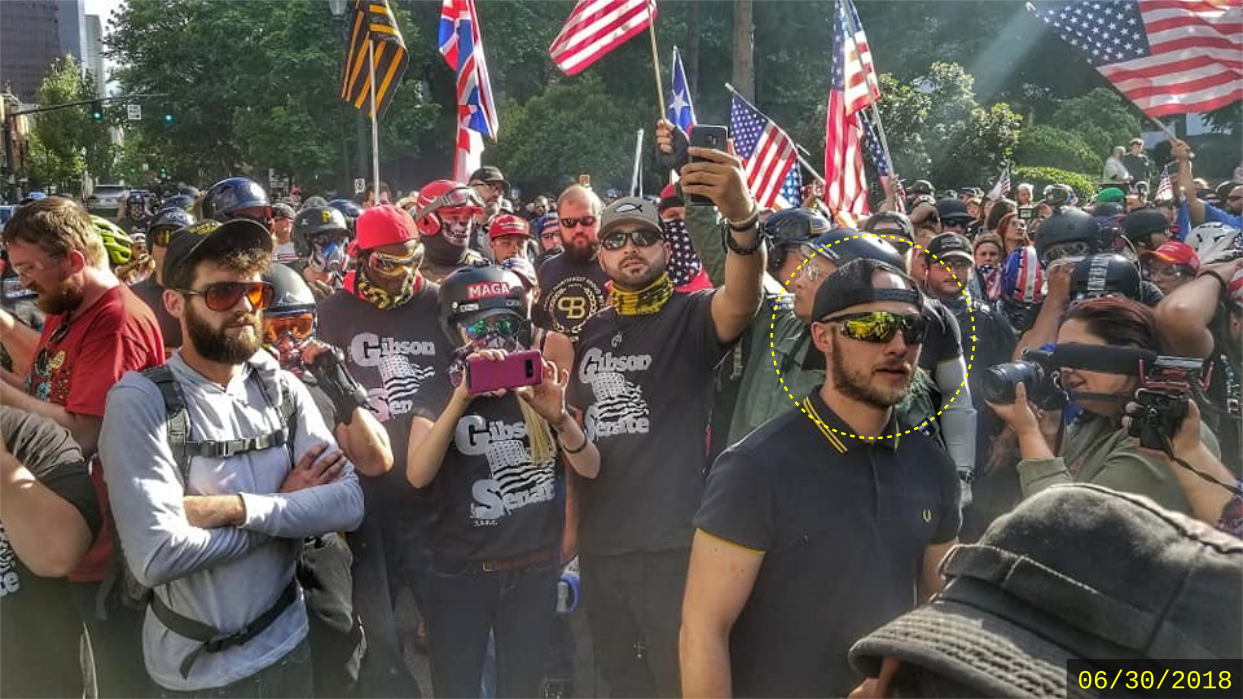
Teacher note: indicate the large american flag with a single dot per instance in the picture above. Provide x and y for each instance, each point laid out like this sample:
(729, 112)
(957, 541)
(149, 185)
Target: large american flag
(845, 189)
(462, 47)
(1166, 56)
(884, 169)
(862, 85)
(767, 154)
(596, 27)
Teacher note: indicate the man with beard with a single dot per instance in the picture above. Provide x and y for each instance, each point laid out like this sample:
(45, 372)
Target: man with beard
(213, 524)
(776, 593)
(96, 331)
(386, 321)
(572, 284)
(644, 377)
(444, 216)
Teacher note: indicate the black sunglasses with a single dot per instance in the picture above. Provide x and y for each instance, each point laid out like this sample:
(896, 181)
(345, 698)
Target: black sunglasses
(575, 222)
(223, 296)
(642, 238)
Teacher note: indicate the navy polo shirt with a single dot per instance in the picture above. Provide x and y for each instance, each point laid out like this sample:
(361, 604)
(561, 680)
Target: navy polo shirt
(843, 524)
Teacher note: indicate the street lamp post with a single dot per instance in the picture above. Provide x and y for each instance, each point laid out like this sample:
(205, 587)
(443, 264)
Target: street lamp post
(338, 7)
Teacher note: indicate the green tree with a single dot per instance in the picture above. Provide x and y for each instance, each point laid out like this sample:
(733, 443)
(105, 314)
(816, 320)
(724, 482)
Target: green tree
(1102, 118)
(65, 141)
(273, 105)
(1048, 146)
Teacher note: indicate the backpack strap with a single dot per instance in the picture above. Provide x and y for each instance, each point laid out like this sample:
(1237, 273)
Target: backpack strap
(176, 418)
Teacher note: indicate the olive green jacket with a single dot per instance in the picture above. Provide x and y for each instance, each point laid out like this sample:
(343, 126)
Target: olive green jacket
(1099, 452)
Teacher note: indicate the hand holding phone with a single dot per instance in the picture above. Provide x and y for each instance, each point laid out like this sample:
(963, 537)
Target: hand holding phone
(488, 372)
(706, 136)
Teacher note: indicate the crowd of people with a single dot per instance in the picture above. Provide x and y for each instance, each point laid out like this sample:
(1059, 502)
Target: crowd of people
(935, 451)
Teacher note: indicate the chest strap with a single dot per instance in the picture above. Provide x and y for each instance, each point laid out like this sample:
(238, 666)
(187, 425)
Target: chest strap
(212, 639)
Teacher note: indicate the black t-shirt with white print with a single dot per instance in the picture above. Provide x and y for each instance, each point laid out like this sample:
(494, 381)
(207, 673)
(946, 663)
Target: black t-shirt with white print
(492, 502)
(392, 353)
(645, 384)
(570, 292)
(39, 624)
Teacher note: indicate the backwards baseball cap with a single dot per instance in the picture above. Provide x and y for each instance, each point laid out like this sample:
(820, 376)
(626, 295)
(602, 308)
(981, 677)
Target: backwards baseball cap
(952, 210)
(508, 224)
(1075, 571)
(633, 211)
(281, 210)
(951, 245)
(1174, 253)
(212, 240)
(852, 285)
(1144, 222)
(384, 225)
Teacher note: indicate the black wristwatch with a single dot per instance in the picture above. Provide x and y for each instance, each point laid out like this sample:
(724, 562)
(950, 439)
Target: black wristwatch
(729, 228)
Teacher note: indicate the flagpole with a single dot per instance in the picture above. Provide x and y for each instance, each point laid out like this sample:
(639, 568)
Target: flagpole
(635, 186)
(660, 89)
(375, 132)
(798, 150)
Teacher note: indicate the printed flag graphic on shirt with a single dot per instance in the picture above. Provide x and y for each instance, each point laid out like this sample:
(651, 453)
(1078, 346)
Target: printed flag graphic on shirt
(681, 111)
(768, 156)
(845, 189)
(1002, 187)
(373, 28)
(596, 27)
(1166, 56)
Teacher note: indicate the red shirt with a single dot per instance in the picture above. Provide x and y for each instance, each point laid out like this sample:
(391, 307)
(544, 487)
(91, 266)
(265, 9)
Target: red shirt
(77, 363)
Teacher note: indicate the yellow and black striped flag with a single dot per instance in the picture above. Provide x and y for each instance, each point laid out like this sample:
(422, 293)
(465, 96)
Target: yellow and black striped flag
(372, 24)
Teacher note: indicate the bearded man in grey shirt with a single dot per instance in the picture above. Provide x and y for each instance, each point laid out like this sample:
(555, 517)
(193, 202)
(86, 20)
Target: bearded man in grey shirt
(214, 520)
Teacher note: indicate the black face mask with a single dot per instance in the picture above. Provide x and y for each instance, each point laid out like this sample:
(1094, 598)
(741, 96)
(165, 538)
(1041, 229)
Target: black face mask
(440, 251)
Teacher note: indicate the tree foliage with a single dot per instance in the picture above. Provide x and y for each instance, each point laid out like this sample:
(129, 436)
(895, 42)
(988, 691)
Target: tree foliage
(65, 142)
(1049, 146)
(1041, 177)
(1101, 118)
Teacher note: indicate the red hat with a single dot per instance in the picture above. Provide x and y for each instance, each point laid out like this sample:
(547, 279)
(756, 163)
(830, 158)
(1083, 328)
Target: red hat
(1174, 253)
(669, 197)
(508, 224)
(384, 225)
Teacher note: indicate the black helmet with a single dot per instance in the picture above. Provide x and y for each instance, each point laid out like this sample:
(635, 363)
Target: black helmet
(791, 227)
(1057, 195)
(1141, 223)
(1108, 274)
(171, 217)
(472, 291)
(1108, 208)
(841, 245)
(229, 195)
(920, 187)
(1068, 226)
(292, 294)
(185, 202)
(317, 220)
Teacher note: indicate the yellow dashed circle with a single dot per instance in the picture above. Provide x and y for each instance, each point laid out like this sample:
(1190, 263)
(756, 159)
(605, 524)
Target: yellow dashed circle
(773, 347)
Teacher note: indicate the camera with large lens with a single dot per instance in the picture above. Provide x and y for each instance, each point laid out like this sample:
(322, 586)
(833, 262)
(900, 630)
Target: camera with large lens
(1037, 371)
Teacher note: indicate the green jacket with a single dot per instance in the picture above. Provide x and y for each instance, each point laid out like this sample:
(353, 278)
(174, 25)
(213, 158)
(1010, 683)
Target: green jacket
(772, 385)
(1101, 453)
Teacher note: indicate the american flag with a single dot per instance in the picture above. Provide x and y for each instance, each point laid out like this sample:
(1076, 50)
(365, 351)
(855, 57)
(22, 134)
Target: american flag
(1165, 188)
(596, 27)
(767, 154)
(1002, 187)
(462, 47)
(373, 29)
(1166, 56)
(862, 85)
(846, 184)
(681, 111)
(884, 169)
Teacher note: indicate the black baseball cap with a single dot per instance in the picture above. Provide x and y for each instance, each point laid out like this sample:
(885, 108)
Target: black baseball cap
(211, 239)
(951, 245)
(489, 174)
(952, 210)
(852, 285)
(1075, 571)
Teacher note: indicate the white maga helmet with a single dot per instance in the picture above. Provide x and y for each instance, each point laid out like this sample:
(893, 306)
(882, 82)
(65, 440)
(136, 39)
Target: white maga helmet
(1212, 240)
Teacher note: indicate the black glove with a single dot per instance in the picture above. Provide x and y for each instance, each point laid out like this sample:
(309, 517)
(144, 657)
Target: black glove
(680, 155)
(338, 384)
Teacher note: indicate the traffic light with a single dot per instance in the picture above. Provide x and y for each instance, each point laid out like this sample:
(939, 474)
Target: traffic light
(97, 111)
(168, 118)
(163, 172)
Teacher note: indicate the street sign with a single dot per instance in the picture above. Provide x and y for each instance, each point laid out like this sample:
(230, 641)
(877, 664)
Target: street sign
(134, 111)
(360, 185)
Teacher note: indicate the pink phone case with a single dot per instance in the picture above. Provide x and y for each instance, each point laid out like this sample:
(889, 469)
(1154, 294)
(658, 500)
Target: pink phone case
(517, 369)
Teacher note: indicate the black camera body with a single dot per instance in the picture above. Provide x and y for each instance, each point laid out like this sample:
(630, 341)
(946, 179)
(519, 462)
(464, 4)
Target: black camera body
(1037, 371)
(1165, 389)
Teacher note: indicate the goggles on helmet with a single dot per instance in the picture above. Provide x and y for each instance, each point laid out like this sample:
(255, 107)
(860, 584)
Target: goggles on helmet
(299, 325)
(456, 198)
